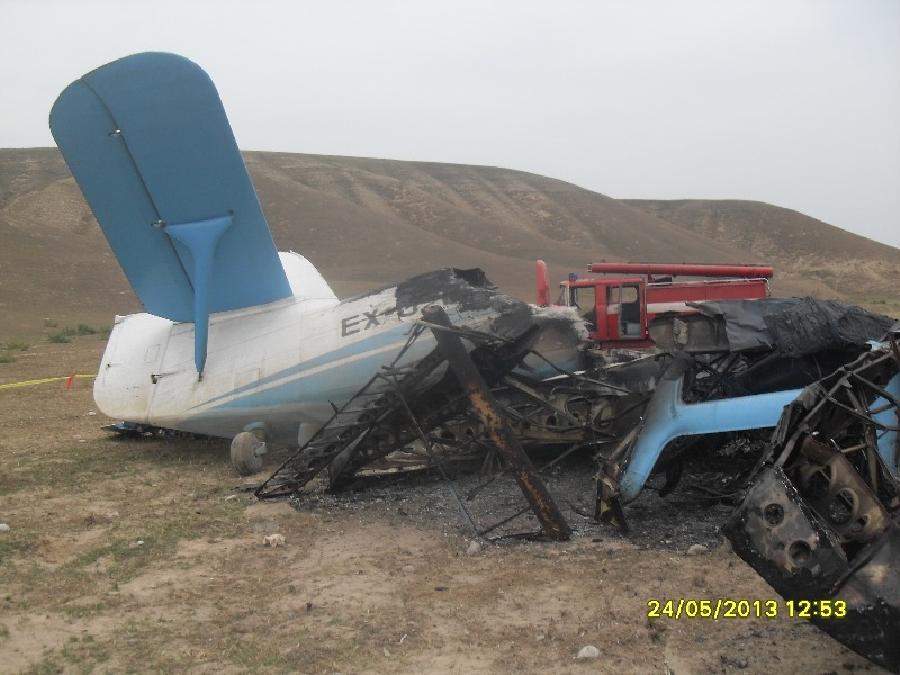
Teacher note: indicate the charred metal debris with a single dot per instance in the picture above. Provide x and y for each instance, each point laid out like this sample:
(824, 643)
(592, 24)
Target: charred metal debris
(445, 405)
(821, 520)
(493, 395)
(818, 515)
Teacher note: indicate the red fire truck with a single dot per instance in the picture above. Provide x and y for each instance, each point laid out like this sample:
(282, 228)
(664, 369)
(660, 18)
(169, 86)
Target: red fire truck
(618, 309)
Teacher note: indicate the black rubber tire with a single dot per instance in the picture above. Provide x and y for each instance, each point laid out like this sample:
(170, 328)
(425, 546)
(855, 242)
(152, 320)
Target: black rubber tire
(246, 457)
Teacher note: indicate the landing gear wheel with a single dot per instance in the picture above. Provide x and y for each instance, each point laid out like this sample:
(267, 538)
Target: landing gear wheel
(246, 453)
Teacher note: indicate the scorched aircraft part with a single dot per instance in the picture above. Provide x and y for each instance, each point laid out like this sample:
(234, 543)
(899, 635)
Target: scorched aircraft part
(822, 518)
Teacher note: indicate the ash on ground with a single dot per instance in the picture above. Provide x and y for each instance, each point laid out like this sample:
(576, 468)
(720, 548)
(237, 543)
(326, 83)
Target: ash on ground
(691, 514)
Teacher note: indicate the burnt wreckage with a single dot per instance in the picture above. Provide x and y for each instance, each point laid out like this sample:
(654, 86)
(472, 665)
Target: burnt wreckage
(821, 520)
(820, 516)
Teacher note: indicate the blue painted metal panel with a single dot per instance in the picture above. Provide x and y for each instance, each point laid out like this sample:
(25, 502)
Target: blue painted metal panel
(111, 183)
(147, 139)
(201, 238)
(889, 441)
(668, 417)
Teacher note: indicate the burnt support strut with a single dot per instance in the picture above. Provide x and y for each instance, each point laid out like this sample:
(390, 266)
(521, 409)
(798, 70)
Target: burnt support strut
(488, 412)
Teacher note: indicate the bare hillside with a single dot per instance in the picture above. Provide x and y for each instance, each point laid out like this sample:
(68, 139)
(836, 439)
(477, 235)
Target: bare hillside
(368, 222)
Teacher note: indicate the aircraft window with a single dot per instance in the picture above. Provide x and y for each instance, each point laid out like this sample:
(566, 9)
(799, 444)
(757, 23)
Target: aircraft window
(612, 295)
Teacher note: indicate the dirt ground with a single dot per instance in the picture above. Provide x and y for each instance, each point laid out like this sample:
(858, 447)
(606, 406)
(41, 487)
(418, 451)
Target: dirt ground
(143, 557)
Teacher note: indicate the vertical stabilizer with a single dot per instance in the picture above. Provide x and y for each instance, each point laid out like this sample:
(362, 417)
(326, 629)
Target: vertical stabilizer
(147, 139)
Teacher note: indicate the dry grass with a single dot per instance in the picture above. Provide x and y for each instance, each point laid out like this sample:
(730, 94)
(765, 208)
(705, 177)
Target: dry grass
(365, 590)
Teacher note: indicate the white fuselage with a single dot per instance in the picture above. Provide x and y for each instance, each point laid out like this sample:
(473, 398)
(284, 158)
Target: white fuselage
(278, 365)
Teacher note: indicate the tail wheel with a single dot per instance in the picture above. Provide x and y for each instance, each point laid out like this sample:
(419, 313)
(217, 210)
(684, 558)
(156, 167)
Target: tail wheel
(246, 453)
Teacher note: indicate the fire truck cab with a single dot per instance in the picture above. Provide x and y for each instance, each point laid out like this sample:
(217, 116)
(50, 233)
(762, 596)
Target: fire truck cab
(618, 309)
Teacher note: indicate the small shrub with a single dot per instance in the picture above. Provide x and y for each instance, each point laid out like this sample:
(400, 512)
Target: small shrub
(104, 332)
(6, 357)
(68, 330)
(49, 323)
(60, 337)
(84, 329)
(16, 346)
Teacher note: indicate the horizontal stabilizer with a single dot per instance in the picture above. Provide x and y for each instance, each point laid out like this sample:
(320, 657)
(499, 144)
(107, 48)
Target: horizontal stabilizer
(147, 139)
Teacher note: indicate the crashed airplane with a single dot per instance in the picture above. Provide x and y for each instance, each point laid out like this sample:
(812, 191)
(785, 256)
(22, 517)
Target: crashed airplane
(237, 341)
(242, 342)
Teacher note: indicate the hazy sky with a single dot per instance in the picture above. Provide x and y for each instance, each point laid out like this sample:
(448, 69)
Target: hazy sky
(792, 102)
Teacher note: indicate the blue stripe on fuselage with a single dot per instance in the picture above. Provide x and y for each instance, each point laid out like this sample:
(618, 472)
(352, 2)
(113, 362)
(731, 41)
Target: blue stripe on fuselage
(323, 386)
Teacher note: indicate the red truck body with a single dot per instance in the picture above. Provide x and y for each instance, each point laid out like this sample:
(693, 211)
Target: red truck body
(618, 309)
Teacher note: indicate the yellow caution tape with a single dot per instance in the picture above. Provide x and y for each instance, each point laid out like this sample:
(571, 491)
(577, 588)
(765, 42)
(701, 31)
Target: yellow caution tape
(29, 383)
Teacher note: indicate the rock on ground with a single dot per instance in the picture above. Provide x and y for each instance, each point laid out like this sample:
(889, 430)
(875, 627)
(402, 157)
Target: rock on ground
(588, 652)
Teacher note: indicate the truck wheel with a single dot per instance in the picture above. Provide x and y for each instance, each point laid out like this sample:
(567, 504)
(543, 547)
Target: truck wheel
(246, 453)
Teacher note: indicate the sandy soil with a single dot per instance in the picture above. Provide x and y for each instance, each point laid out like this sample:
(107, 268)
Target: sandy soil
(142, 557)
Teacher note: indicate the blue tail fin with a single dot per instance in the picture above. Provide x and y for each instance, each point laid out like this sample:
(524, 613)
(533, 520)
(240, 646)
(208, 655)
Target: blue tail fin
(147, 139)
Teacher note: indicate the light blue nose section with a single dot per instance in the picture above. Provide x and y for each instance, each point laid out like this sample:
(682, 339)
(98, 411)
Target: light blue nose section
(668, 417)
